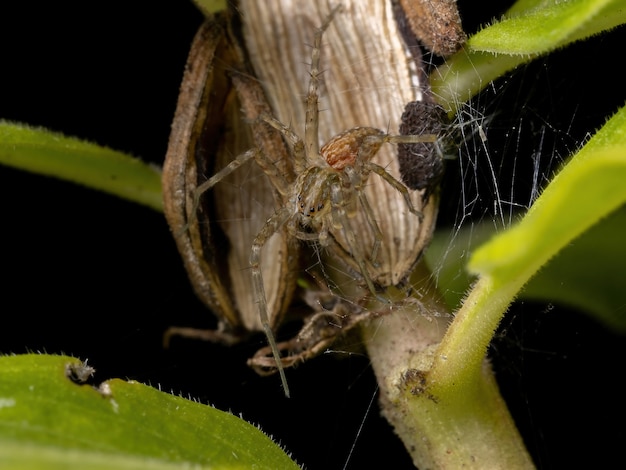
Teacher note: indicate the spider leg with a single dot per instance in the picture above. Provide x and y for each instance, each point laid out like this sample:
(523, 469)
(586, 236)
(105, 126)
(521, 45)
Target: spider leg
(369, 146)
(220, 175)
(340, 219)
(380, 171)
(410, 139)
(371, 220)
(297, 145)
(311, 125)
(357, 179)
(271, 226)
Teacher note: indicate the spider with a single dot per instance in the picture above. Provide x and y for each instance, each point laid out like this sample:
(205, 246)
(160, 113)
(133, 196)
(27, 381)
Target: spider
(321, 201)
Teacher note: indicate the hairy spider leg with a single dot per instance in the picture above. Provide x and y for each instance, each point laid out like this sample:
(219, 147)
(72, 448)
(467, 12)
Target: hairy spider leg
(340, 219)
(370, 166)
(311, 125)
(300, 150)
(297, 145)
(394, 183)
(216, 178)
(271, 226)
(267, 165)
(358, 180)
(220, 175)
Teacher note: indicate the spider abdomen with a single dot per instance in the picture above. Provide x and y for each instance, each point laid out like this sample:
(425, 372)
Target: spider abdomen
(343, 149)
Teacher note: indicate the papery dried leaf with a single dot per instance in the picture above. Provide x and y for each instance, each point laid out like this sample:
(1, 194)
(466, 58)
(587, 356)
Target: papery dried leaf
(244, 201)
(195, 130)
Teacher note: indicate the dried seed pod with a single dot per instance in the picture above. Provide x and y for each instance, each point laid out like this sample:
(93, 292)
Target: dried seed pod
(422, 164)
(214, 234)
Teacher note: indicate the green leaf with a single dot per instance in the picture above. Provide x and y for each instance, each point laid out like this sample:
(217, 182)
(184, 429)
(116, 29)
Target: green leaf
(97, 167)
(589, 274)
(48, 421)
(548, 25)
(531, 28)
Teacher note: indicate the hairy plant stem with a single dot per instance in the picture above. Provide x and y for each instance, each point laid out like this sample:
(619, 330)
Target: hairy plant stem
(457, 422)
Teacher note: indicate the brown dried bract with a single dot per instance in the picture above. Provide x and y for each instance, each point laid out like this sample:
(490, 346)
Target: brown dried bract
(214, 233)
(320, 331)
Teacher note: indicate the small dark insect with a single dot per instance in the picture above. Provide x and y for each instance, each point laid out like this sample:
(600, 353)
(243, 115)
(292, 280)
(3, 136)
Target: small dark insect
(79, 372)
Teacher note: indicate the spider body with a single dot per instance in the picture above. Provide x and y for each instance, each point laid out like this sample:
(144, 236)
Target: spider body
(332, 180)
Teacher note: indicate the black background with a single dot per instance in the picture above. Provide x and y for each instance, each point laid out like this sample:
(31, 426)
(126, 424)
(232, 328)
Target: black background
(90, 275)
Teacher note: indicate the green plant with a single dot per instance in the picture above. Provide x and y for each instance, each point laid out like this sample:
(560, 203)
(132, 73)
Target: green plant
(504, 271)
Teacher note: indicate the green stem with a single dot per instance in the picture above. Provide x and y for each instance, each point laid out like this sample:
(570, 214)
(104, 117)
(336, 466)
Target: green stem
(449, 414)
(466, 73)
(461, 354)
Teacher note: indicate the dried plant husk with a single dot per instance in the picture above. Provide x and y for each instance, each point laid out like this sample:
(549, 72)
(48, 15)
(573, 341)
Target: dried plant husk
(215, 236)
(243, 202)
